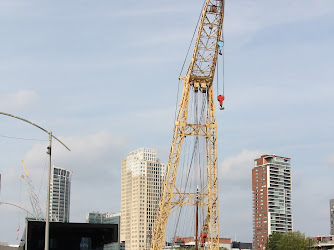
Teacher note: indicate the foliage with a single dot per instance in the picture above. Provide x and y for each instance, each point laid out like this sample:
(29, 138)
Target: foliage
(273, 241)
(288, 241)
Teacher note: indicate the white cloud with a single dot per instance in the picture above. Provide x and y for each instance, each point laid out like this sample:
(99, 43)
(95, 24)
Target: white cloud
(235, 214)
(244, 18)
(19, 99)
(140, 12)
(237, 168)
(310, 204)
(235, 194)
(7, 5)
(101, 150)
(95, 160)
(284, 95)
(330, 160)
(161, 39)
(253, 16)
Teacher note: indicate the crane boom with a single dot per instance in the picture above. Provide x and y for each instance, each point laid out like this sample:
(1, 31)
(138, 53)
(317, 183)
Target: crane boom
(203, 63)
(199, 78)
(37, 211)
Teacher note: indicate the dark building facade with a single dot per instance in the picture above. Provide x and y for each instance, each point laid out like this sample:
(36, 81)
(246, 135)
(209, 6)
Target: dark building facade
(71, 236)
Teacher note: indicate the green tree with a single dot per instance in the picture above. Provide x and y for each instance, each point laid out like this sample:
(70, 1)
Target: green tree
(273, 241)
(288, 241)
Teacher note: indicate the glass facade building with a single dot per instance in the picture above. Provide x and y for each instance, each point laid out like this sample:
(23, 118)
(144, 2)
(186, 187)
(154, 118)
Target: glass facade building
(60, 192)
(107, 218)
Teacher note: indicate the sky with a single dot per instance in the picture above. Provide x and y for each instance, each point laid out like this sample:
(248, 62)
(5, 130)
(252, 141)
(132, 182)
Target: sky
(103, 77)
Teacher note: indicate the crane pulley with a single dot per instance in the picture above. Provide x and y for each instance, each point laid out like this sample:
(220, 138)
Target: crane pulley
(220, 97)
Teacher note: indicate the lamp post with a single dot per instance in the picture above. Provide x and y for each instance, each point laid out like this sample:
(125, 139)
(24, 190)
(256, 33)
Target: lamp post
(47, 215)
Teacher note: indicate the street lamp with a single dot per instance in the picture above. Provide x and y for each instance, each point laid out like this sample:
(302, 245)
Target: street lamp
(47, 216)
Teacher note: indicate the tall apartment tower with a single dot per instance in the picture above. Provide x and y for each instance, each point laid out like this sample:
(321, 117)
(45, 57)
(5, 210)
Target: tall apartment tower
(60, 190)
(271, 186)
(331, 209)
(142, 180)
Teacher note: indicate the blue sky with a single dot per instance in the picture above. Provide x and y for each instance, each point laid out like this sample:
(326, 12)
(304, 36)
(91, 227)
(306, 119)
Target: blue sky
(103, 77)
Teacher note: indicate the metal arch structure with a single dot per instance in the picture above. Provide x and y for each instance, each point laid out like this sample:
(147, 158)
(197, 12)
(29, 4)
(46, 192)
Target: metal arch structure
(47, 215)
(199, 78)
(11, 204)
(34, 124)
(27, 213)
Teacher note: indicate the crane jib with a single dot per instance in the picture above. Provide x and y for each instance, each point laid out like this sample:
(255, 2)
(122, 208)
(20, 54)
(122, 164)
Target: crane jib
(206, 49)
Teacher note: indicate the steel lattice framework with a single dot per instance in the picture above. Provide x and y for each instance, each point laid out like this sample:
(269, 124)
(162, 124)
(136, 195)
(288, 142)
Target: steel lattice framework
(32, 195)
(199, 78)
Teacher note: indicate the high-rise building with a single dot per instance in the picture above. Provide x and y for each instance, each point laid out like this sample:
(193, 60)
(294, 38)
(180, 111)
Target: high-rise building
(96, 217)
(331, 209)
(271, 186)
(107, 218)
(142, 179)
(60, 190)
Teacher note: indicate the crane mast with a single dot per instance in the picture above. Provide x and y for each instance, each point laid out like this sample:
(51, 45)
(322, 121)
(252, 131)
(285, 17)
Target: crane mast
(199, 79)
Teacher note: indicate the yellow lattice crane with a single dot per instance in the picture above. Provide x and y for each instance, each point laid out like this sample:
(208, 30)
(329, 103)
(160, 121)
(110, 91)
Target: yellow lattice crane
(197, 81)
(36, 207)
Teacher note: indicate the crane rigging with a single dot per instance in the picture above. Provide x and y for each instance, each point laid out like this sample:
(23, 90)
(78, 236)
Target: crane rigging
(201, 126)
(36, 207)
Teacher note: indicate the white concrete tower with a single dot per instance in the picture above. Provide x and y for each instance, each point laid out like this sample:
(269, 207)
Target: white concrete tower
(142, 179)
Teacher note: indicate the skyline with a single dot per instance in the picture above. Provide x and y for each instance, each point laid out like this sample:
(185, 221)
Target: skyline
(103, 78)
